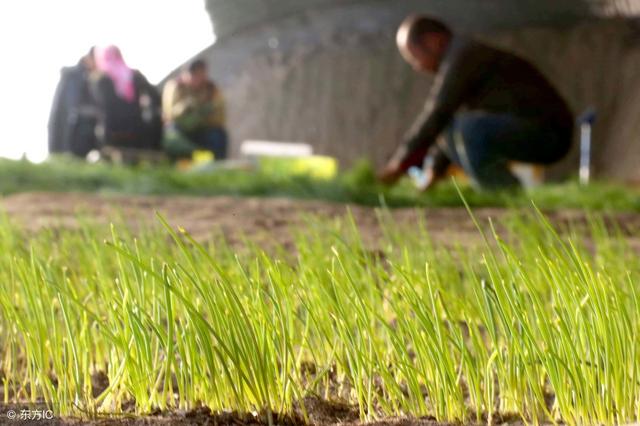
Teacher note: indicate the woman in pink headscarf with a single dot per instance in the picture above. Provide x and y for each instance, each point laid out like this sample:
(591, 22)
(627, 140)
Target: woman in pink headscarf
(129, 104)
(110, 62)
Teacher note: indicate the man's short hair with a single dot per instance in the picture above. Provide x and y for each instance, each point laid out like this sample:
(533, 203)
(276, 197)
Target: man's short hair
(197, 65)
(417, 26)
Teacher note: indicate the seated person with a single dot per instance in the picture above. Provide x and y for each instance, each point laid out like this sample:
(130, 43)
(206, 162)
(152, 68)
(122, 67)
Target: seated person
(488, 106)
(129, 105)
(194, 114)
(73, 118)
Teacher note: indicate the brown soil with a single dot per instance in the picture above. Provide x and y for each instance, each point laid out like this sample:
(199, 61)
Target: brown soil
(261, 219)
(264, 220)
(320, 413)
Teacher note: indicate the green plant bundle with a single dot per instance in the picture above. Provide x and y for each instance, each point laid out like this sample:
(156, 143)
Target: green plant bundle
(538, 325)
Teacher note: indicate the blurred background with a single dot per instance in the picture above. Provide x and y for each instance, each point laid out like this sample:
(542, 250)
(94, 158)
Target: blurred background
(325, 72)
(39, 37)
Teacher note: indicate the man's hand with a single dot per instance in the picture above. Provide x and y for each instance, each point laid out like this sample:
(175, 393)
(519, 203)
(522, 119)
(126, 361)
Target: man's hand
(390, 173)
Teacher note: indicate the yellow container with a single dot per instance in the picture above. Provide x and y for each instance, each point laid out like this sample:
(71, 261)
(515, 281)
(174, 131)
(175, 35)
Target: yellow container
(202, 156)
(317, 166)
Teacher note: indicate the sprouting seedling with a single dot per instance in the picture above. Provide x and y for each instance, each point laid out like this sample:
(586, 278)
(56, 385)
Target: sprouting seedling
(499, 325)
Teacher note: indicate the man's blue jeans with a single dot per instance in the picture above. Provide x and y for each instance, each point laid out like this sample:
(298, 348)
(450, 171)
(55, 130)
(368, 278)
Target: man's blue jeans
(213, 139)
(179, 143)
(483, 144)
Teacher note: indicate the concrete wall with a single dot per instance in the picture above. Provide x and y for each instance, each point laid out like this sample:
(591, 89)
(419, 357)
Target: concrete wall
(327, 71)
(234, 16)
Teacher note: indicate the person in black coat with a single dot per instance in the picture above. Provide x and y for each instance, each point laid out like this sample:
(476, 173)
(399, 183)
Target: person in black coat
(73, 116)
(129, 106)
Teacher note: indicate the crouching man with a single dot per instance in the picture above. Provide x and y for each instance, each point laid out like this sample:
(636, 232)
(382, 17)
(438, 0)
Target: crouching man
(194, 114)
(486, 108)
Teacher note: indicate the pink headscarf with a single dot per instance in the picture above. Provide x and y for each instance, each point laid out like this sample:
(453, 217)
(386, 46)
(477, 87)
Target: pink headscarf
(109, 61)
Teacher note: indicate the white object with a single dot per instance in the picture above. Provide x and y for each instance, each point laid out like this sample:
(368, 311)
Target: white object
(418, 176)
(257, 148)
(422, 177)
(529, 175)
(585, 153)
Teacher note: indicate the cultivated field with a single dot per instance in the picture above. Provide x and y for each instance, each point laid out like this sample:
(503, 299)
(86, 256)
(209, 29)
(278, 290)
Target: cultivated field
(224, 310)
